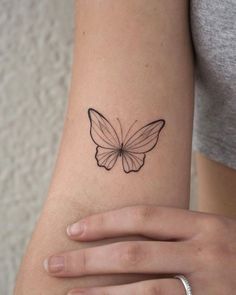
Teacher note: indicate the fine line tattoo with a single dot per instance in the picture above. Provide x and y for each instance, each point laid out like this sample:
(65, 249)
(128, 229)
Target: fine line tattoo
(131, 147)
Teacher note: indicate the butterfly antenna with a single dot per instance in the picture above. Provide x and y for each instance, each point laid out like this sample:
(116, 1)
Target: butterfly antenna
(121, 130)
(131, 126)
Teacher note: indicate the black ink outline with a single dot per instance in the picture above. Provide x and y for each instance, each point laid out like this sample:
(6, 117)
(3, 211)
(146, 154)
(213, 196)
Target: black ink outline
(108, 169)
(96, 112)
(133, 170)
(124, 145)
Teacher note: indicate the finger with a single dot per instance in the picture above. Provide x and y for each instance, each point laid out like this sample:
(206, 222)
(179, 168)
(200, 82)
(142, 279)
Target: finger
(162, 223)
(161, 286)
(124, 257)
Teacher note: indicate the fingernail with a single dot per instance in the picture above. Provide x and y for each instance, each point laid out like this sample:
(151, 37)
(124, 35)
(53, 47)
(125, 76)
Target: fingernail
(54, 264)
(75, 229)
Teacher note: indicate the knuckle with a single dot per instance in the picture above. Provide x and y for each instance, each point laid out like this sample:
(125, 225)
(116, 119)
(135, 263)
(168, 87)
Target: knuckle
(130, 254)
(144, 212)
(105, 292)
(84, 262)
(154, 289)
(68, 267)
(98, 290)
(100, 220)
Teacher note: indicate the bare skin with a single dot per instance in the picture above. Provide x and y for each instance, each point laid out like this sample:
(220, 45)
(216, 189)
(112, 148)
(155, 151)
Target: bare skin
(133, 60)
(148, 78)
(201, 246)
(216, 187)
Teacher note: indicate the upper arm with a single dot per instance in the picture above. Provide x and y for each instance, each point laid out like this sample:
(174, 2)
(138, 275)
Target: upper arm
(133, 61)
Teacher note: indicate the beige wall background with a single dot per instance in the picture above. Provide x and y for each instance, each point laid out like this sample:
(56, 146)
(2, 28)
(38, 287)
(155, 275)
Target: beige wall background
(36, 39)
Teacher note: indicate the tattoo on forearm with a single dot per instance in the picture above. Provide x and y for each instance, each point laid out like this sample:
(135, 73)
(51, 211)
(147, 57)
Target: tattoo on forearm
(131, 147)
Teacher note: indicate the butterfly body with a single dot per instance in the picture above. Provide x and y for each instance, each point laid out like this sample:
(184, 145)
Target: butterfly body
(131, 148)
(121, 150)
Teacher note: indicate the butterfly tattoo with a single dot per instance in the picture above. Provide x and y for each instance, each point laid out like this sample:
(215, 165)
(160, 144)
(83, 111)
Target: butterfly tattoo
(131, 147)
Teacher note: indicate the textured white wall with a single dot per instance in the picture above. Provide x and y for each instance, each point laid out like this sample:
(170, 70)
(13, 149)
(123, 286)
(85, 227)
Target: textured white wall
(35, 58)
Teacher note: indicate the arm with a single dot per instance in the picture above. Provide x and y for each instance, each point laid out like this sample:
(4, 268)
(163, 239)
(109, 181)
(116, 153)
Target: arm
(216, 187)
(132, 60)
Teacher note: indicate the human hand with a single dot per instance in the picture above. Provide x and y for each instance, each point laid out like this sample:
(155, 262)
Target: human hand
(200, 246)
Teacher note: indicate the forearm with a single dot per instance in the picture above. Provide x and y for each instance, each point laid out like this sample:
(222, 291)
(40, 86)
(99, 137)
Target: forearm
(133, 61)
(216, 187)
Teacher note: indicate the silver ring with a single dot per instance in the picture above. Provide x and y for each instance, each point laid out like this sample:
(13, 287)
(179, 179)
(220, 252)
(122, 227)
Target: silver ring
(186, 284)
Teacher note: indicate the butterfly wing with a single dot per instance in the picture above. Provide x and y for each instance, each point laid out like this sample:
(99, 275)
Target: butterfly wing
(106, 157)
(105, 137)
(141, 142)
(102, 132)
(132, 162)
